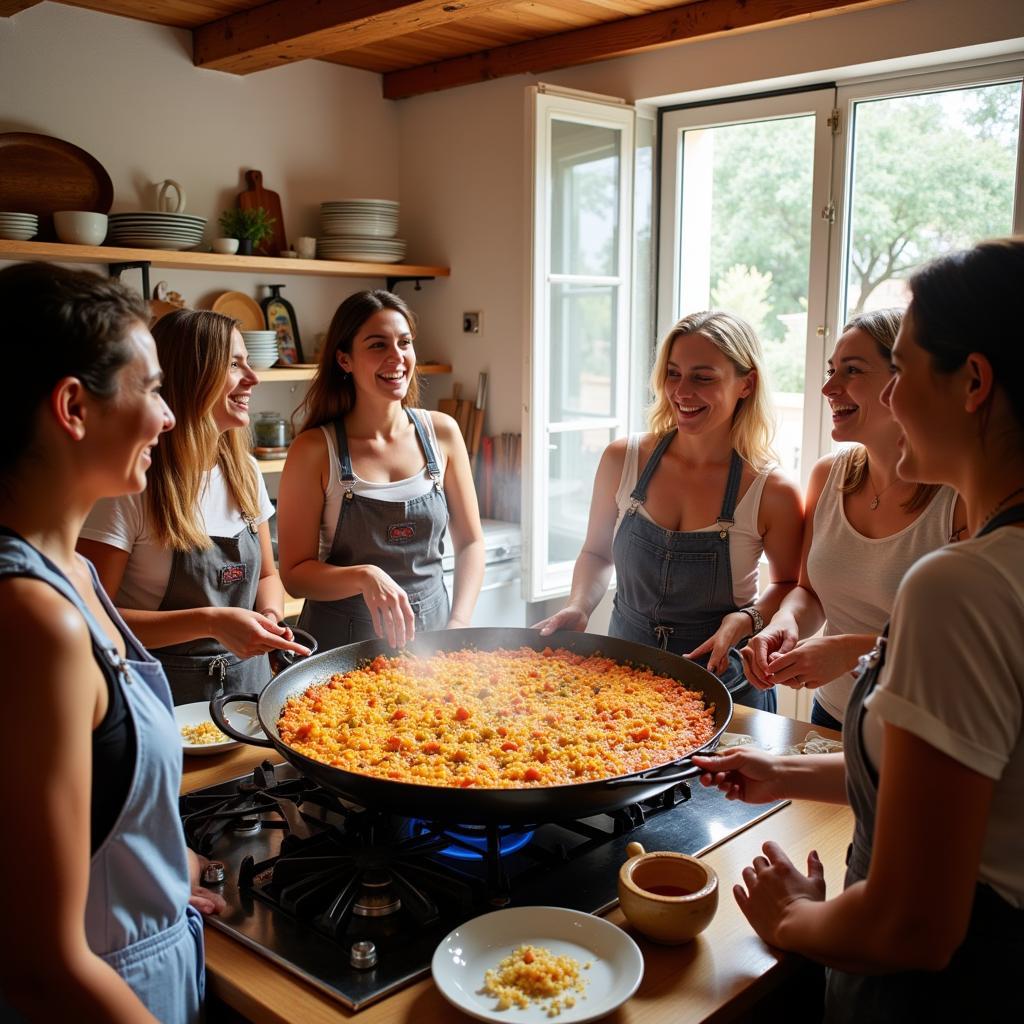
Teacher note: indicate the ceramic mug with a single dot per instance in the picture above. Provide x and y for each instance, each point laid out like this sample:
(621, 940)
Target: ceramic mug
(306, 247)
(669, 897)
(164, 203)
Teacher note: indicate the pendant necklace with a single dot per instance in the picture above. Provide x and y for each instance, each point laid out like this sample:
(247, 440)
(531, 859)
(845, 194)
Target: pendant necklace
(878, 494)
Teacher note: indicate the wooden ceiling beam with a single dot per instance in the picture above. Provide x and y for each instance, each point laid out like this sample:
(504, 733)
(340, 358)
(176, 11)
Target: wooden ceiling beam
(702, 19)
(8, 8)
(285, 31)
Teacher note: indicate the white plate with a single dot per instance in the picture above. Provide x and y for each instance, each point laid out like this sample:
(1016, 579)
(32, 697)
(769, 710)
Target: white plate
(242, 716)
(459, 963)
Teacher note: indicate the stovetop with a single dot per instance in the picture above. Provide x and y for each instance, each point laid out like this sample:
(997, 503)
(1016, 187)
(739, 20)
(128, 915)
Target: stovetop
(307, 876)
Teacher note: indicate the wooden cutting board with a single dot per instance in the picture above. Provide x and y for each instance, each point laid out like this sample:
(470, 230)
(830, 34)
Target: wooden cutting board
(256, 195)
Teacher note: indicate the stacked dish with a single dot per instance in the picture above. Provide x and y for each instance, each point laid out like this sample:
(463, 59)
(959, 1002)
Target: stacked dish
(19, 227)
(261, 347)
(360, 229)
(156, 230)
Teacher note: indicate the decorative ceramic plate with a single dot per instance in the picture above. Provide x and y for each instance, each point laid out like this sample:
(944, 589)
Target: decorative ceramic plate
(616, 964)
(42, 174)
(242, 716)
(240, 307)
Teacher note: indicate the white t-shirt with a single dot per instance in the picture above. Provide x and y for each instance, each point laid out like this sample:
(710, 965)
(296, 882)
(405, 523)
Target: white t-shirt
(954, 677)
(398, 490)
(121, 523)
(745, 543)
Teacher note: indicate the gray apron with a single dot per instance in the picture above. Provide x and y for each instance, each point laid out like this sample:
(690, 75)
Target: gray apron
(980, 981)
(403, 538)
(137, 916)
(674, 587)
(224, 575)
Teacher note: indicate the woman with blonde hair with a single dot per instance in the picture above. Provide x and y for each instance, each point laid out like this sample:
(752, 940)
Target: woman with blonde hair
(686, 532)
(865, 528)
(372, 488)
(189, 563)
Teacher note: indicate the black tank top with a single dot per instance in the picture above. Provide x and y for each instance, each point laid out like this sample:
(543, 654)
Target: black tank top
(113, 750)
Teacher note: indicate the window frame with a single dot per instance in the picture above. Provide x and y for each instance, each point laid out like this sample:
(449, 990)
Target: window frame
(542, 579)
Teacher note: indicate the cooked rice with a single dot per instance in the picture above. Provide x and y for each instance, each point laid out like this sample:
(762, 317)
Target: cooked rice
(533, 974)
(203, 733)
(505, 719)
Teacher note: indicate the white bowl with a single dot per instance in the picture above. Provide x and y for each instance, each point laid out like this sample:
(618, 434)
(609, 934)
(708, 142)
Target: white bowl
(225, 246)
(80, 227)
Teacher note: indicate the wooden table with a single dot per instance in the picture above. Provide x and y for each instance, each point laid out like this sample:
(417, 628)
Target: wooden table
(717, 977)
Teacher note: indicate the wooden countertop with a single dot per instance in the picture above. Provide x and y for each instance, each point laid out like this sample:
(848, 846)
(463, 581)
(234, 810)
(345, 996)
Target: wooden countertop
(718, 976)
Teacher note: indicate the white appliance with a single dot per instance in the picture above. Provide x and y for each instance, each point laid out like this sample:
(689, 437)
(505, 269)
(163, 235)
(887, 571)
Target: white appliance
(501, 601)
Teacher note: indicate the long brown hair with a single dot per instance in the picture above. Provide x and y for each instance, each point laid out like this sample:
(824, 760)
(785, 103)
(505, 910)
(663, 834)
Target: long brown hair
(881, 326)
(194, 347)
(332, 393)
(752, 424)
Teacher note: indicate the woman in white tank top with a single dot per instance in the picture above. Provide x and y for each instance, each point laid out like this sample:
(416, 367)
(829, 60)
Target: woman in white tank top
(865, 528)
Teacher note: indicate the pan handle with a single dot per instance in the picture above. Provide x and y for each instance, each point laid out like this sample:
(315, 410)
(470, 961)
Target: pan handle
(217, 706)
(633, 780)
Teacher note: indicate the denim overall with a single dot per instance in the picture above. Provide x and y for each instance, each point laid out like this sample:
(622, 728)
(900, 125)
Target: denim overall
(674, 587)
(980, 980)
(224, 575)
(137, 916)
(404, 538)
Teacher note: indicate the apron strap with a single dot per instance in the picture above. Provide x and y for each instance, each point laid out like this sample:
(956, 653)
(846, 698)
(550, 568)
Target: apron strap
(639, 493)
(726, 518)
(432, 467)
(1014, 514)
(348, 478)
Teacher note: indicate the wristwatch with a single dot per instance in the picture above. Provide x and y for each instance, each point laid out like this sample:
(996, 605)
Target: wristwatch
(755, 617)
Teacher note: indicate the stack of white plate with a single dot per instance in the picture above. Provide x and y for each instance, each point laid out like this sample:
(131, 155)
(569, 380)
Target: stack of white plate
(261, 347)
(156, 230)
(360, 229)
(19, 227)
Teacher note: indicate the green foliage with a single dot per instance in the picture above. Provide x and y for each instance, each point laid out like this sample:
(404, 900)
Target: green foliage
(931, 173)
(256, 224)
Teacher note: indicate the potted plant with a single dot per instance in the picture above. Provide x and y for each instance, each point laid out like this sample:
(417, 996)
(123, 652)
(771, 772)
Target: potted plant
(250, 227)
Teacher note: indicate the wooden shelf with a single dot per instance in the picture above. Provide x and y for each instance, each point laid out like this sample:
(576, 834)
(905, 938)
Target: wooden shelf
(292, 605)
(270, 465)
(59, 252)
(306, 371)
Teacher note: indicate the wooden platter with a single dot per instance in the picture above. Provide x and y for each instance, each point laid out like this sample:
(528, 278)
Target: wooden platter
(41, 174)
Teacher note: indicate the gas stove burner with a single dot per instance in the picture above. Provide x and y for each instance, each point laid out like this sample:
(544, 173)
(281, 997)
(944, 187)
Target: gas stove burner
(246, 826)
(471, 842)
(377, 898)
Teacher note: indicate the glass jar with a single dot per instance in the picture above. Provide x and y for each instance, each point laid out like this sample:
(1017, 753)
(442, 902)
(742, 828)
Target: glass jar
(270, 430)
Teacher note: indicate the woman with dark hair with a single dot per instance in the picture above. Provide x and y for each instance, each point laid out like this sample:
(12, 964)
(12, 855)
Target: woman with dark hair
(865, 527)
(930, 924)
(97, 926)
(371, 488)
(189, 563)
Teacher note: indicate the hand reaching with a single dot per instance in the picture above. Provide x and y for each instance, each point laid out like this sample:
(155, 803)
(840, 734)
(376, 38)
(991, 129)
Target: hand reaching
(390, 611)
(731, 630)
(743, 774)
(247, 633)
(773, 885)
(570, 617)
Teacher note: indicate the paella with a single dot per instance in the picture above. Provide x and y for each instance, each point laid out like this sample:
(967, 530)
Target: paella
(502, 719)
